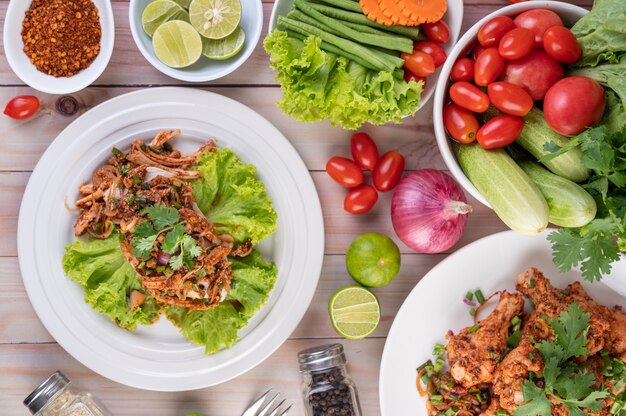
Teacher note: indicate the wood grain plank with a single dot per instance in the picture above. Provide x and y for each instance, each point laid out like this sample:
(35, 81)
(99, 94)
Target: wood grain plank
(25, 366)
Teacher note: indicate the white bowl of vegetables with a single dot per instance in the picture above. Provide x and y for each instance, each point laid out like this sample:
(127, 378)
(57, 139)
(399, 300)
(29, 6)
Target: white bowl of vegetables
(538, 142)
(366, 107)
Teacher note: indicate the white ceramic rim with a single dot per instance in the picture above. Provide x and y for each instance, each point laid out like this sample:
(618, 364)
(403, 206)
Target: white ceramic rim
(443, 142)
(47, 83)
(454, 24)
(180, 73)
(40, 260)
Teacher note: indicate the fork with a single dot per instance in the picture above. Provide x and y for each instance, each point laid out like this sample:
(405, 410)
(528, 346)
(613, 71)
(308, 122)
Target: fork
(257, 408)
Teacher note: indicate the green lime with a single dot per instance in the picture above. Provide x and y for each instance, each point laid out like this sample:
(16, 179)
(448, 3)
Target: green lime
(354, 312)
(373, 260)
(220, 49)
(159, 12)
(215, 19)
(183, 3)
(177, 44)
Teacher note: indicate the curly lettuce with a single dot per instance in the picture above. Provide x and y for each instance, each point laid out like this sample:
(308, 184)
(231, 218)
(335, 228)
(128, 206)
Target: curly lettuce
(318, 85)
(232, 197)
(101, 269)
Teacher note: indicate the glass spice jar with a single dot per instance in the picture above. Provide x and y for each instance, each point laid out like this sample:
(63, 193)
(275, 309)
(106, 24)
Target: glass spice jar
(328, 389)
(57, 397)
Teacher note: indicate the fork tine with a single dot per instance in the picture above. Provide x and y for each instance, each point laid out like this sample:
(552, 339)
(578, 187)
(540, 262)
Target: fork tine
(263, 412)
(276, 409)
(286, 411)
(257, 404)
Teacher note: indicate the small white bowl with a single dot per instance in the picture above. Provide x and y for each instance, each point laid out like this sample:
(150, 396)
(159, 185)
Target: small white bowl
(570, 15)
(204, 69)
(453, 17)
(20, 64)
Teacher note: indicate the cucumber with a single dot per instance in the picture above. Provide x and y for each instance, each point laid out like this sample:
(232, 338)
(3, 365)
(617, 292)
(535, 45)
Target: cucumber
(569, 204)
(511, 193)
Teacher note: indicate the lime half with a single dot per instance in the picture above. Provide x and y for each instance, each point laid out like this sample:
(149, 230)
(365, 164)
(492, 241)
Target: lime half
(215, 19)
(177, 44)
(220, 49)
(354, 312)
(159, 12)
(183, 3)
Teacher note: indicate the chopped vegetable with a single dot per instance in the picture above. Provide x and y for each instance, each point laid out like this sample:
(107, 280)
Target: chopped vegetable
(372, 10)
(425, 11)
(479, 296)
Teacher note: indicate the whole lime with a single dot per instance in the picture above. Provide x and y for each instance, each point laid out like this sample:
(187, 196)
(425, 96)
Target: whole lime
(373, 260)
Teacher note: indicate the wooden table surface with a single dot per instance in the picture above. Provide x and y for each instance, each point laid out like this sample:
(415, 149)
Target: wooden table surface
(28, 354)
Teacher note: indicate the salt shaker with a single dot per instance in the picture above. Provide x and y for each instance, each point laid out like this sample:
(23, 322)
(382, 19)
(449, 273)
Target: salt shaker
(57, 397)
(328, 389)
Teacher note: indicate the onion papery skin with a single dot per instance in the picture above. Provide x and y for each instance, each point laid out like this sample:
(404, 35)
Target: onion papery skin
(429, 211)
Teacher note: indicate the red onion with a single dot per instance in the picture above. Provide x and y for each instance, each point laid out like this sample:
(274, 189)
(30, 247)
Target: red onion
(429, 211)
(163, 258)
(469, 302)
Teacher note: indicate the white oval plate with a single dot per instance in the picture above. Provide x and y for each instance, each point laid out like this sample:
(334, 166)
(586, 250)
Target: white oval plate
(436, 305)
(157, 357)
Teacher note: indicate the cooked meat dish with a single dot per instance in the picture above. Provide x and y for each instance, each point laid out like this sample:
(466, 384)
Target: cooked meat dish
(496, 364)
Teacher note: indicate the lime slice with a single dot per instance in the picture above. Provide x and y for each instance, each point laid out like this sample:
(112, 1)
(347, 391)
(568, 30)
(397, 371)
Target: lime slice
(177, 44)
(159, 12)
(354, 312)
(220, 49)
(183, 3)
(215, 19)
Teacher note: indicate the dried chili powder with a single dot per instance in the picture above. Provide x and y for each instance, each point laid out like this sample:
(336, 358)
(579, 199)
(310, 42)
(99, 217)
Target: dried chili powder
(61, 37)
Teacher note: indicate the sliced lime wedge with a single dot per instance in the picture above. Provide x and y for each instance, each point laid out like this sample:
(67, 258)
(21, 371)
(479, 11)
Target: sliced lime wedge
(159, 12)
(183, 3)
(220, 49)
(177, 44)
(354, 312)
(215, 19)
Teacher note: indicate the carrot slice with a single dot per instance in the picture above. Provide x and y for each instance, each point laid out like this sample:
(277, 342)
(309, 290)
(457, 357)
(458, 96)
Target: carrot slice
(394, 12)
(422, 11)
(373, 11)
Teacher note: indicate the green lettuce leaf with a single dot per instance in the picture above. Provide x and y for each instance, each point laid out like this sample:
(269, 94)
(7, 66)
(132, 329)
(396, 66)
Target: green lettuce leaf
(232, 197)
(253, 279)
(318, 85)
(107, 278)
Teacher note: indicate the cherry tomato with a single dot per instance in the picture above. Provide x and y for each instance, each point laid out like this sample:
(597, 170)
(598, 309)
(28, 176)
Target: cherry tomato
(419, 63)
(488, 67)
(516, 43)
(22, 106)
(573, 104)
(344, 171)
(536, 73)
(491, 32)
(561, 45)
(462, 70)
(437, 32)
(500, 131)
(409, 76)
(478, 49)
(360, 199)
(509, 98)
(538, 21)
(460, 123)
(469, 96)
(364, 150)
(516, 1)
(432, 49)
(388, 171)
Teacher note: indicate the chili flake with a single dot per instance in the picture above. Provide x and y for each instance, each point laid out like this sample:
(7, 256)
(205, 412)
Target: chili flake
(61, 37)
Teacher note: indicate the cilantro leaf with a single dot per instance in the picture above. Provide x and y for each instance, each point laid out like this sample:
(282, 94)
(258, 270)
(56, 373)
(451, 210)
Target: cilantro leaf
(537, 404)
(143, 239)
(162, 216)
(570, 329)
(592, 402)
(172, 239)
(176, 262)
(571, 385)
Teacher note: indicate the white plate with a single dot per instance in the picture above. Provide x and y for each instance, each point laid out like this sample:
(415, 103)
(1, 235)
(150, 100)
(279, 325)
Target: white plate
(158, 357)
(453, 17)
(436, 305)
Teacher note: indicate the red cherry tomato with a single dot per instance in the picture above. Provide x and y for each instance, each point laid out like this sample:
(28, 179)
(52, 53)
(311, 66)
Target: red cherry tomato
(22, 106)
(461, 124)
(437, 32)
(491, 32)
(538, 21)
(469, 96)
(409, 76)
(463, 70)
(536, 73)
(364, 150)
(561, 45)
(344, 171)
(360, 199)
(516, 43)
(432, 49)
(500, 131)
(477, 50)
(419, 63)
(488, 67)
(573, 104)
(388, 171)
(509, 98)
